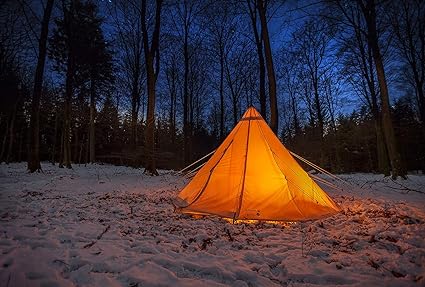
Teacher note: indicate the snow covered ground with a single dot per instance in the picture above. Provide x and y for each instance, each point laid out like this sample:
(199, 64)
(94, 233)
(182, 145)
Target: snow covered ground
(104, 225)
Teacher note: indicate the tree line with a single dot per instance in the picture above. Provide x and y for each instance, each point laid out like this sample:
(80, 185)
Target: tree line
(158, 83)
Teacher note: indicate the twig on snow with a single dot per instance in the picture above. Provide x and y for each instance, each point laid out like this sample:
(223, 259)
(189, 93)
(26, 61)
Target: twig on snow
(98, 238)
(229, 235)
(375, 265)
(369, 182)
(61, 261)
(405, 188)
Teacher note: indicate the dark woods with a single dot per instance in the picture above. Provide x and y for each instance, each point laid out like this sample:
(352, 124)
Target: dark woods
(158, 83)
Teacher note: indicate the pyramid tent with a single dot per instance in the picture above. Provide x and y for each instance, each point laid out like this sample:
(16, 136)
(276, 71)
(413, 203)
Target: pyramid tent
(252, 175)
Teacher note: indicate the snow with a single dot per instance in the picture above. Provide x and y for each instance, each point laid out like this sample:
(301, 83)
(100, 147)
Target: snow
(101, 225)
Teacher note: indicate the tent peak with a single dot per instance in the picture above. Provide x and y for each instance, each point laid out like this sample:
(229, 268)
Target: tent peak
(251, 113)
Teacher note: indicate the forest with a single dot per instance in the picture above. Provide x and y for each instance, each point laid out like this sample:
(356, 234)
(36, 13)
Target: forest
(160, 83)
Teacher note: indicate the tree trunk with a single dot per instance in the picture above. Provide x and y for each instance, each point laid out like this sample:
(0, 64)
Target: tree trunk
(261, 64)
(4, 142)
(262, 88)
(186, 100)
(235, 112)
(80, 153)
(421, 102)
(395, 158)
(412, 41)
(419, 81)
(295, 114)
(320, 119)
(151, 55)
(150, 120)
(222, 111)
(382, 153)
(318, 107)
(21, 142)
(76, 139)
(52, 157)
(232, 93)
(86, 151)
(11, 134)
(381, 144)
(274, 117)
(92, 133)
(34, 153)
(135, 103)
(173, 98)
(393, 153)
(421, 99)
(61, 153)
(372, 100)
(67, 113)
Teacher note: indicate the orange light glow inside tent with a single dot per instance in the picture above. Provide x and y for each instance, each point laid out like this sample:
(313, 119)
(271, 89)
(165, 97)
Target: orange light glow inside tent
(252, 176)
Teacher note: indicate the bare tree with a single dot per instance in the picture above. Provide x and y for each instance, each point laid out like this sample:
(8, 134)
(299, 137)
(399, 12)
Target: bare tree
(15, 45)
(368, 27)
(68, 15)
(408, 24)
(288, 78)
(262, 6)
(199, 87)
(151, 49)
(252, 4)
(172, 79)
(237, 70)
(126, 17)
(313, 51)
(407, 20)
(187, 26)
(221, 22)
(368, 8)
(360, 72)
(34, 155)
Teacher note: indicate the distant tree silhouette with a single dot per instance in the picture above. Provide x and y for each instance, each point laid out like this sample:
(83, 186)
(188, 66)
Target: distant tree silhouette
(80, 51)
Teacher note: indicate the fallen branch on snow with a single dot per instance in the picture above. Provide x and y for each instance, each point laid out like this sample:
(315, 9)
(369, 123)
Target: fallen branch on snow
(98, 238)
(405, 188)
(376, 265)
(61, 261)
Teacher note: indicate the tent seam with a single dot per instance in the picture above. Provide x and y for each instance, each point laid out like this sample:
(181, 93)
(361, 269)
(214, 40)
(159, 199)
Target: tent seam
(238, 211)
(209, 176)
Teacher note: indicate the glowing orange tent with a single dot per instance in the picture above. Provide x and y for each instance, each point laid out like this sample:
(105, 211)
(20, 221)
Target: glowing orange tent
(253, 176)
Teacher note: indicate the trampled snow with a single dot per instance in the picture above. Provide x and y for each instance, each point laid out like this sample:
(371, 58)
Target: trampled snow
(101, 225)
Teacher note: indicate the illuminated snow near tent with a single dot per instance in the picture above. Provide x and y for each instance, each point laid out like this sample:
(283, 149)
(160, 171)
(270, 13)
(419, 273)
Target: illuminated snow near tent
(104, 225)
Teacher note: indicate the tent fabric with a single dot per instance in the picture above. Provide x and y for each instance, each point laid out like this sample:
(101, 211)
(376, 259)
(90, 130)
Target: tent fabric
(252, 176)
